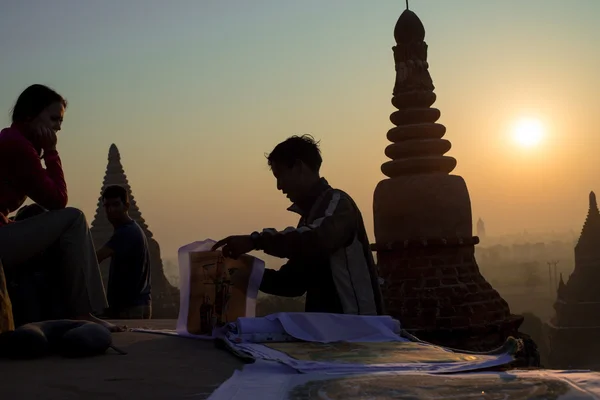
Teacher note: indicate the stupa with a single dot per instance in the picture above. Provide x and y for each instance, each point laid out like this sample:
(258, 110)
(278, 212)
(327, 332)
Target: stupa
(165, 297)
(480, 229)
(423, 222)
(574, 330)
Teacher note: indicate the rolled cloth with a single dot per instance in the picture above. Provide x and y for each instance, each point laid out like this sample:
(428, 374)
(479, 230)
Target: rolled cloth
(316, 327)
(69, 338)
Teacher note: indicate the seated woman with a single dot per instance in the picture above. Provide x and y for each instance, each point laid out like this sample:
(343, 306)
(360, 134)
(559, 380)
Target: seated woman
(37, 118)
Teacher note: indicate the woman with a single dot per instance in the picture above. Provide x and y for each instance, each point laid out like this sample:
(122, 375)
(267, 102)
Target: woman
(36, 119)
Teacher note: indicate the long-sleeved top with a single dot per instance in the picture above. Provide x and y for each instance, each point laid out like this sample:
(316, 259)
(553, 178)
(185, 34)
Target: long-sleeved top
(329, 256)
(22, 175)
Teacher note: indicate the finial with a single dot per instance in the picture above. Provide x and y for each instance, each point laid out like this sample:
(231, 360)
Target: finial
(409, 28)
(113, 152)
(407, 4)
(593, 203)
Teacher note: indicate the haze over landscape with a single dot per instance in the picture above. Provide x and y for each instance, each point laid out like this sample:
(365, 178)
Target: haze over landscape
(195, 92)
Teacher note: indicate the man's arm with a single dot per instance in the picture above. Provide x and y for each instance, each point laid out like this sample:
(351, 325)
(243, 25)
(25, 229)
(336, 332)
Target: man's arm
(46, 187)
(326, 234)
(104, 253)
(288, 281)
(116, 243)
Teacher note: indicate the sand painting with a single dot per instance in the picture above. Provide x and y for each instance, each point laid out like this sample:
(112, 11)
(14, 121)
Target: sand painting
(372, 353)
(213, 300)
(413, 387)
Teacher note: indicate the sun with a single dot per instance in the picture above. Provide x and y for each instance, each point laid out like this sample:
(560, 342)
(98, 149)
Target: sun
(528, 132)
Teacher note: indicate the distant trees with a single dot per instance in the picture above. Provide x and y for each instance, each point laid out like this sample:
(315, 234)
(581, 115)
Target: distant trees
(171, 271)
(531, 273)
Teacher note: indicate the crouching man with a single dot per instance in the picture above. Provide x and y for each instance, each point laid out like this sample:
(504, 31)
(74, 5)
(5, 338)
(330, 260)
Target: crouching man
(329, 255)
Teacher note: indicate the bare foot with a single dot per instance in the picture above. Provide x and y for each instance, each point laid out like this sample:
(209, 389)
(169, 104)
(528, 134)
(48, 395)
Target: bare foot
(106, 324)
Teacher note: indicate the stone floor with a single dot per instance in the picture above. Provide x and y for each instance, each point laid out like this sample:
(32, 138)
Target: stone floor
(156, 367)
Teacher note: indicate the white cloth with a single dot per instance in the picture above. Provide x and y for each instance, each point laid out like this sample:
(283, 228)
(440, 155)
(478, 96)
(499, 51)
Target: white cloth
(315, 327)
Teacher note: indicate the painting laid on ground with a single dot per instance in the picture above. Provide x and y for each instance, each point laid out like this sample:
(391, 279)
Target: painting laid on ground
(412, 386)
(274, 381)
(372, 353)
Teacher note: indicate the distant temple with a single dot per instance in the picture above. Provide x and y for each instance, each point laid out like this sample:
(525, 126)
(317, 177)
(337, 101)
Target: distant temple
(165, 297)
(480, 229)
(574, 330)
(423, 222)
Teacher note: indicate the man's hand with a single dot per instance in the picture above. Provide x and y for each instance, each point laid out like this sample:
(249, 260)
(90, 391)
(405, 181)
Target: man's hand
(235, 246)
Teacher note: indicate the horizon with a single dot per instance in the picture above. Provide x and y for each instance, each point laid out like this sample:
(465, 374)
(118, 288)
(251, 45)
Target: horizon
(194, 94)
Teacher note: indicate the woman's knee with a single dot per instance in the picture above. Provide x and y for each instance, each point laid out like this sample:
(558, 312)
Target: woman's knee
(73, 214)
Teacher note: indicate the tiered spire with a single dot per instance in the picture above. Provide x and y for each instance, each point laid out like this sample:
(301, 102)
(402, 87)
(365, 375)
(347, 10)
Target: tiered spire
(115, 175)
(423, 220)
(417, 146)
(165, 298)
(590, 234)
(560, 291)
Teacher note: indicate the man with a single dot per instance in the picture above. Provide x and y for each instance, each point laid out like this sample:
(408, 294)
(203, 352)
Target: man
(329, 255)
(129, 283)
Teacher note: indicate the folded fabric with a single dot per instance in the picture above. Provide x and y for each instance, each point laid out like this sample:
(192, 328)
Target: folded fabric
(314, 327)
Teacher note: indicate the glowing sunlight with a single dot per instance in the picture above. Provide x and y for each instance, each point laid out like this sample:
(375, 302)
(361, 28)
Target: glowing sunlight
(528, 132)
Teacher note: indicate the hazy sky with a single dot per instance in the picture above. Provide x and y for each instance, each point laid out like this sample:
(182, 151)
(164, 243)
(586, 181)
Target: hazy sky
(194, 92)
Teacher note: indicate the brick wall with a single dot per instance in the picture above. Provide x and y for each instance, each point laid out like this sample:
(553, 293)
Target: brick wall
(436, 292)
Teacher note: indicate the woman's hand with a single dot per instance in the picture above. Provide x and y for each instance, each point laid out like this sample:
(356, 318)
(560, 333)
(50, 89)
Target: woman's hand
(46, 138)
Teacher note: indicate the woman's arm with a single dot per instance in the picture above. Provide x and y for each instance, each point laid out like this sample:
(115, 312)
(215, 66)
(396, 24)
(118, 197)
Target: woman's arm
(45, 186)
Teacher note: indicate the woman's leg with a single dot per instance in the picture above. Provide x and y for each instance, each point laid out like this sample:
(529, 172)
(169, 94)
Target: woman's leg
(68, 228)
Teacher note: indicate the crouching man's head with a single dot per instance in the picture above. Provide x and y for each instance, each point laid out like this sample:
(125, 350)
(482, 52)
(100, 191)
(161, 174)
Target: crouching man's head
(295, 164)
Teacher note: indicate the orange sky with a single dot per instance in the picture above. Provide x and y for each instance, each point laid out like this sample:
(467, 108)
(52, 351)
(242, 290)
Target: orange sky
(195, 93)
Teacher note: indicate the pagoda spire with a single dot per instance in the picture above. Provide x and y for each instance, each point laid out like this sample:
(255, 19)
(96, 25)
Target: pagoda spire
(417, 144)
(423, 220)
(165, 297)
(577, 318)
(590, 233)
(560, 291)
(115, 175)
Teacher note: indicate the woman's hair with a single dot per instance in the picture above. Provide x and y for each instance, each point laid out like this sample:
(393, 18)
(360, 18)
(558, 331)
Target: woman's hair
(33, 101)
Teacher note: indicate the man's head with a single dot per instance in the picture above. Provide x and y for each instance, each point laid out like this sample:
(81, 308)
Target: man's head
(295, 163)
(116, 203)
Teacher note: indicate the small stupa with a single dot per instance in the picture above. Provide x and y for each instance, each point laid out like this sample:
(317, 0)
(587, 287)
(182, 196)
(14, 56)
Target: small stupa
(165, 297)
(423, 222)
(574, 330)
(480, 229)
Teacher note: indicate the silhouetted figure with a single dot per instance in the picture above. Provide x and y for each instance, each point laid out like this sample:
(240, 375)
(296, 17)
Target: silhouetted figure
(329, 255)
(36, 119)
(129, 282)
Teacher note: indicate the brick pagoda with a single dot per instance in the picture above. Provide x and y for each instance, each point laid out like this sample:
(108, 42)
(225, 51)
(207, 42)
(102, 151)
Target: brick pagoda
(165, 297)
(574, 330)
(423, 223)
